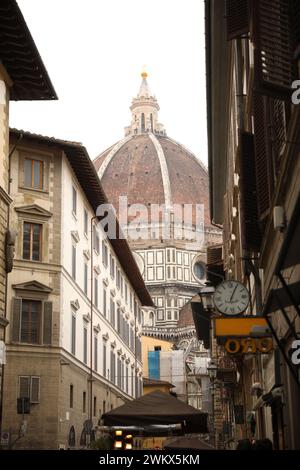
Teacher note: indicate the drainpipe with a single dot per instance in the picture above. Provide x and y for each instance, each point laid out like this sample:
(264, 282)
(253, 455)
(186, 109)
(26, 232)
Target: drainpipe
(91, 313)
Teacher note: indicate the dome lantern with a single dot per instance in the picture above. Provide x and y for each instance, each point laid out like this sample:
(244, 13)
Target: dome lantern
(144, 109)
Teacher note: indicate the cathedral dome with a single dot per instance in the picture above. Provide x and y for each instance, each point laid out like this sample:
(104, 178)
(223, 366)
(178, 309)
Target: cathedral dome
(149, 167)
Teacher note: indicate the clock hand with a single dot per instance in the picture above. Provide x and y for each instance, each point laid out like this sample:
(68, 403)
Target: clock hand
(233, 293)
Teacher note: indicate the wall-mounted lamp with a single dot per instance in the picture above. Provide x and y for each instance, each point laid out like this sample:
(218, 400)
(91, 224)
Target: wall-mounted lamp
(212, 370)
(279, 219)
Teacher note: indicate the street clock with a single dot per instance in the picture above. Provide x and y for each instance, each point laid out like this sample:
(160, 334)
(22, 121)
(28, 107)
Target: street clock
(231, 298)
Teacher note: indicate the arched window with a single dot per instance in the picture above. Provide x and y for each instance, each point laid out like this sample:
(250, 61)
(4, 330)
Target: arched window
(151, 121)
(143, 122)
(72, 439)
(151, 318)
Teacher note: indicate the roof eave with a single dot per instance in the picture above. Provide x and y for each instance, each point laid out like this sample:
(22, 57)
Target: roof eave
(217, 76)
(20, 57)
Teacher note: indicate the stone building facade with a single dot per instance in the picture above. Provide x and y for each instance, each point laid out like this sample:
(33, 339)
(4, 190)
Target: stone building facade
(254, 163)
(22, 77)
(73, 357)
(14, 86)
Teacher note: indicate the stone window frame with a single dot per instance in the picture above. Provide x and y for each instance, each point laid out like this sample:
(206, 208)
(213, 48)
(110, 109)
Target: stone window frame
(40, 251)
(40, 155)
(33, 214)
(30, 379)
(36, 292)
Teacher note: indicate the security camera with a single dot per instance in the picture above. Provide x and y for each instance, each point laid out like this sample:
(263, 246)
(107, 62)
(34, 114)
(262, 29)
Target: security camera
(277, 392)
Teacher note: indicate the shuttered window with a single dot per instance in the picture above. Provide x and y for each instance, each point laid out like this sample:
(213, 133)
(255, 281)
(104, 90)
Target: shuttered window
(112, 313)
(35, 390)
(33, 173)
(237, 18)
(85, 340)
(74, 261)
(24, 386)
(119, 372)
(104, 359)
(118, 320)
(278, 128)
(47, 323)
(262, 154)
(84, 402)
(104, 302)
(296, 28)
(112, 367)
(74, 200)
(73, 333)
(85, 221)
(96, 353)
(96, 291)
(132, 384)
(251, 234)
(32, 241)
(31, 321)
(71, 396)
(29, 387)
(85, 280)
(273, 41)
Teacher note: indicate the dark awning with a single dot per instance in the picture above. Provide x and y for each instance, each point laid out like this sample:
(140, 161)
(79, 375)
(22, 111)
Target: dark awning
(157, 408)
(189, 444)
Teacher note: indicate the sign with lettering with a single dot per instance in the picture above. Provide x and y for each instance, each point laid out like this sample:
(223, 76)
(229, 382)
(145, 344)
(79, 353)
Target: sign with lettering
(249, 345)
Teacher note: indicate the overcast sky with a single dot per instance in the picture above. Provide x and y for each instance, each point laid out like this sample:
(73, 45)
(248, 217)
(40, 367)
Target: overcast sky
(94, 52)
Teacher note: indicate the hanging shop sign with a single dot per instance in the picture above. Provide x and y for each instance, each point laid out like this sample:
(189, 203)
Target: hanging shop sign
(243, 326)
(249, 345)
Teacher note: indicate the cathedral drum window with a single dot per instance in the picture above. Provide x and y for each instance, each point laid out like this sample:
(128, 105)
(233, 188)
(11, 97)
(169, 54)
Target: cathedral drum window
(199, 270)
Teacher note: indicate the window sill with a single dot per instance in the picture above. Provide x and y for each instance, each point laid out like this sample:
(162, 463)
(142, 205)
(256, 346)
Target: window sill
(32, 260)
(74, 215)
(35, 190)
(19, 343)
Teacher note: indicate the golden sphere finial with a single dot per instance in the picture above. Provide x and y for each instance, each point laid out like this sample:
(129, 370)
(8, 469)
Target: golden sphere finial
(144, 73)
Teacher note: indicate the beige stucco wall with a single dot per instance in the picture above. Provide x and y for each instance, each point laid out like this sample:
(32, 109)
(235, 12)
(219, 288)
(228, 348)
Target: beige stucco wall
(148, 344)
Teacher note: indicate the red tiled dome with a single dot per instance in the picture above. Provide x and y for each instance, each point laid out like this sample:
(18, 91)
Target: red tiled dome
(150, 168)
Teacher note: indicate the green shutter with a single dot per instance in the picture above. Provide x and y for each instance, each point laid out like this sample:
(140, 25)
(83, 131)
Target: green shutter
(16, 319)
(262, 155)
(273, 47)
(252, 235)
(237, 18)
(35, 390)
(47, 323)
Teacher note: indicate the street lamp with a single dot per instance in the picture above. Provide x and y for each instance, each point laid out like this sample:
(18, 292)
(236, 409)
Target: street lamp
(206, 296)
(212, 370)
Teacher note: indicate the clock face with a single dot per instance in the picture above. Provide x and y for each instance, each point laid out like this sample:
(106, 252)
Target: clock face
(231, 298)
